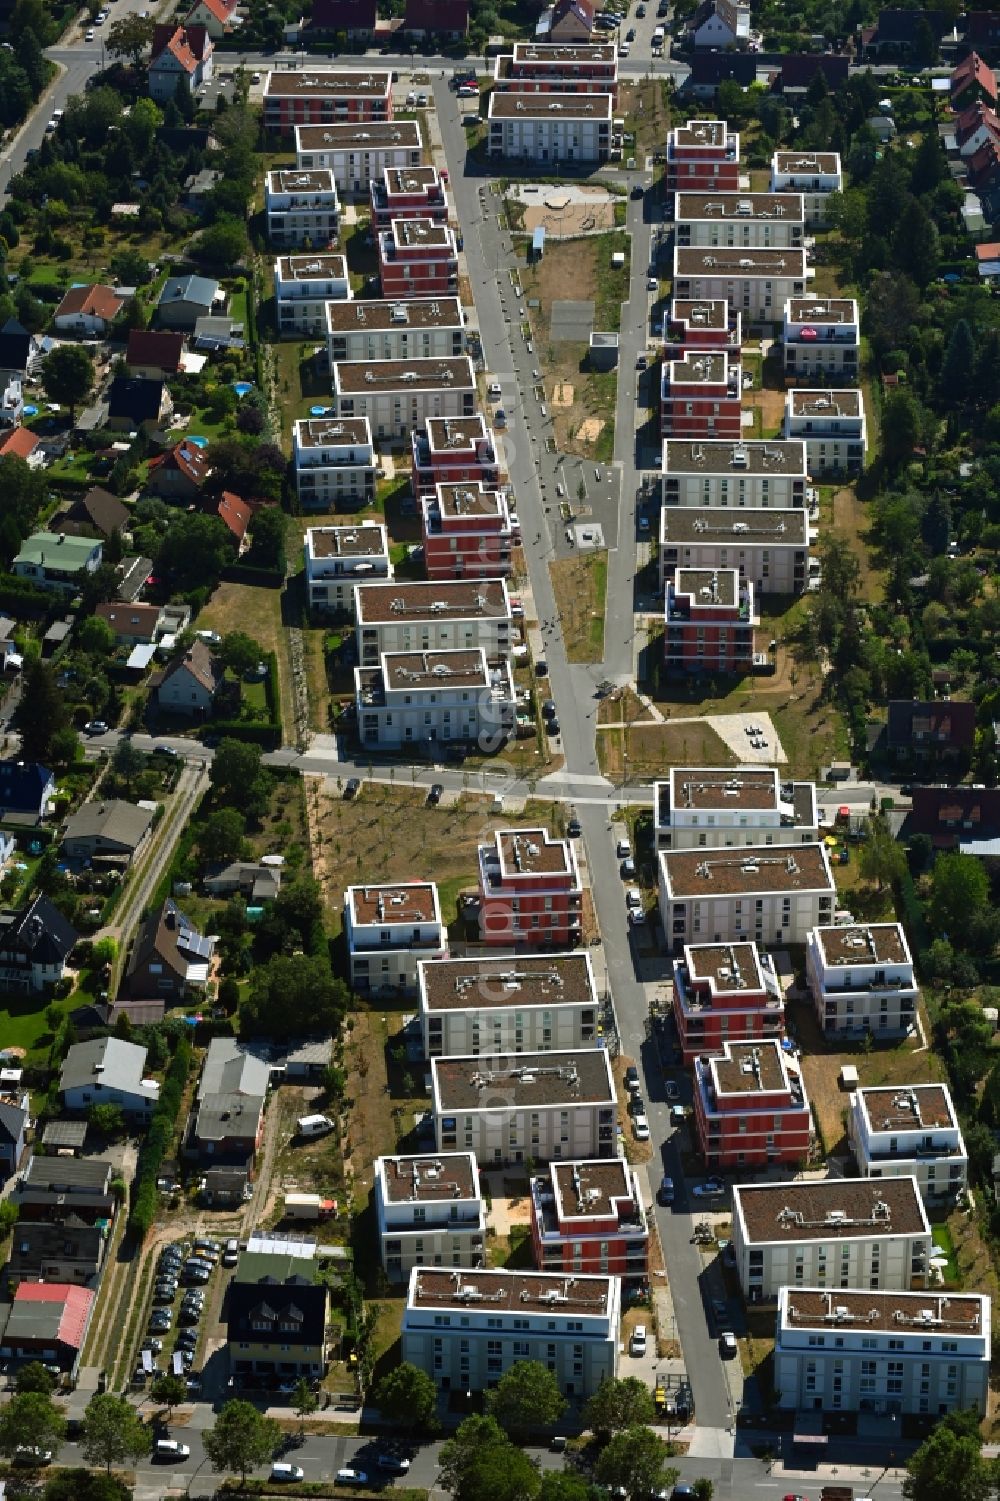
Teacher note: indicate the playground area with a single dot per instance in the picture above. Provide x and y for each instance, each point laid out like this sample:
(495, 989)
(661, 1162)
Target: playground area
(564, 210)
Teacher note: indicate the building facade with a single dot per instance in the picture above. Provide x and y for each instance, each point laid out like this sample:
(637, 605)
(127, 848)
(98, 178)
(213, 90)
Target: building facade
(832, 426)
(821, 338)
(754, 221)
(468, 532)
(752, 473)
(750, 1107)
(710, 325)
(508, 1005)
(912, 1129)
(323, 96)
(701, 396)
(554, 68)
(861, 979)
(417, 258)
(416, 328)
(454, 451)
(358, 156)
(337, 557)
(431, 697)
(530, 890)
(710, 620)
(589, 1217)
(430, 1212)
(721, 807)
(551, 128)
(388, 929)
(439, 616)
(770, 548)
(725, 992)
(757, 282)
(813, 174)
(335, 463)
(398, 396)
(761, 893)
(301, 207)
(408, 193)
(303, 285)
(703, 156)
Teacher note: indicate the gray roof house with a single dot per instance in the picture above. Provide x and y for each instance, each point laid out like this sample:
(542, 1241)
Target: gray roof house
(68, 1251)
(228, 1120)
(185, 299)
(108, 1071)
(111, 831)
(260, 883)
(13, 1125)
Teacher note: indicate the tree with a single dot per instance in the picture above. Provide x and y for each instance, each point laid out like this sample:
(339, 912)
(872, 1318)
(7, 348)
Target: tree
(106, 1119)
(900, 426)
(31, 1420)
(85, 1485)
(113, 1432)
(169, 1390)
(526, 1397)
(42, 712)
(881, 859)
(935, 527)
(242, 1439)
(240, 653)
(499, 1472)
(129, 38)
(104, 951)
(457, 1453)
(96, 636)
(635, 1460)
(223, 836)
(128, 762)
(703, 1488)
(304, 1402)
(267, 539)
(239, 778)
(407, 1397)
(959, 888)
(959, 363)
(223, 245)
(618, 1404)
(292, 994)
(194, 552)
(564, 1485)
(950, 1463)
(68, 375)
(916, 245)
(33, 1377)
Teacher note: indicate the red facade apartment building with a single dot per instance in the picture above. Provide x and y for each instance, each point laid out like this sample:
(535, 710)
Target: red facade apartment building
(408, 193)
(709, 621)
(706, 324)
(530, 890)
(558, 68)
(589, 1217)
(703, 154)
(725, 992)
(417, 258)
(324, 96)
(467, 532)
(750, 1107)
(454, 450)
(701, 396)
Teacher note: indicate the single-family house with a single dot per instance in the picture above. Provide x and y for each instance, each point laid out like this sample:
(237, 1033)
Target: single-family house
(96, 514)
(190, 684)
(973, 80)
(46, 1321)
(278, 1327)
(58, 563)
(227, 1122)
(20, 443)
(798, 69)
(169, 957)
(154, 353)
(88, 309)
(571, 21)
(112, 831)
(709, 69)
(927, 730)
(217, 16)
(26, 790)
(355, 18)
(35, 942)
(179, 473)
(108, 1071)
(185, 299)
(69, 1251)
(233, 511)
(251, 878)
(444, 20)
(133, 625)
(903, 36)
(13, 1131)
(133, 400)
(954, 816)
(723, 24)
(179, 55)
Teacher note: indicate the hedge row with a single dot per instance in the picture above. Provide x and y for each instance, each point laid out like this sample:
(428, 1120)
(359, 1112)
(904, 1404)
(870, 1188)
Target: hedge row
(257, 733)
(158, 1141)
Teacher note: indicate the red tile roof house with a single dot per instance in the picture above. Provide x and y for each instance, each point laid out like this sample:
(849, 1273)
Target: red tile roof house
(19, 444)
(87, 310)
(971, 81)
(217, 16)
(154, 353)
(444, 19)
(355, 18)
(55, 1331)
(180, 473)
(179, 55)
(234, 511)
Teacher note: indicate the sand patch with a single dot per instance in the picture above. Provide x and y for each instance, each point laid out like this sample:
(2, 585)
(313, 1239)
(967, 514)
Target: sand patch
(562, 394)
(590, 430)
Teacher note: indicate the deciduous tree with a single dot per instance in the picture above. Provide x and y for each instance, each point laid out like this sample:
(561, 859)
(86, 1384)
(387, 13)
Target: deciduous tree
(242, 1439)
(636, 1460)
(68, 375)
(31, 1421)
(619, 1403)
(407, 1397)
(113, 1432)
(527, 1397)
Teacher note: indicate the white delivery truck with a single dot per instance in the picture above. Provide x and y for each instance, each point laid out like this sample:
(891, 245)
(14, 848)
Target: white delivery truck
(314, 1125)
(308, 1207)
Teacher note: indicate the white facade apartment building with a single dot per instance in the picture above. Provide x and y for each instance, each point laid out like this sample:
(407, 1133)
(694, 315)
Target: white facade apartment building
(505, 1004)
(440, 616)
(398, 396)
(509, 1107)
(466, 1328)
(753, 472)
(389, 929)
(358, 154)
(550, 127)
(839, 1232)
(884, 1353)
(714, 807)
(757, 282)
(772, 895)
(910, 1129)
(759, 221)
(335, 463)
(423, 698)
(813, 174)
(430, 1212)
(822, 338)
(831, 423)
(421, 328)
(301, 207)
(769, 548)
(337, 557)
(861, 979)
(303, 286)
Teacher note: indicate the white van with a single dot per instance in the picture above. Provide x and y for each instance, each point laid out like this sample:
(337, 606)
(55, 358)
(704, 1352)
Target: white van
(314, 1125)
(169, 1448)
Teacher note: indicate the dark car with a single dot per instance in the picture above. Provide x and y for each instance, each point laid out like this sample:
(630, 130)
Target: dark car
(631, 1077)
(637, 190)
(574, 828)
(549, 708)
(637, 1105)
(434, 796)
(352, 788)
(541, 668)
(552, 725)
(665, 1192)
(187, 1340)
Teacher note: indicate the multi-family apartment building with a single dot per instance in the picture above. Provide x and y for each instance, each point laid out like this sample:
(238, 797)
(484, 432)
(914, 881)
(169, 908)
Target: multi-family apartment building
(303, 286)
(550, 128)
(861, 979)
(821, 338)
(530, 890)
(398, 396)
(886, 1353)
(910, 1129)
(710, 621)
(435, 697)
(359, 155)
(508, 1004)
(417, 258)
(388, 930)
(323, 96)
(558, 68)
(408, 193)
(750, 1107)
(769, 894)
(831, 423)
(758, 221)
(412, 328)
(509, 1107)
(768, 547)
(725, 992)
(590, 1217)
(466, 1328)
(453, 451)
(813, 174)
(703, 156)
(335, 463)
(758, 282)
(301, 207)
(753, 472)
(430, 1212)
(716, 807)
(468, 532)
(701, 396)
(336, 557)
(837, 1232)
(437, 616)
(710, 325)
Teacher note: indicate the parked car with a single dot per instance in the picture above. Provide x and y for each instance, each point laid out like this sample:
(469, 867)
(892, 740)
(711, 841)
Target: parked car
(673, 1093)
(351, 1477)
(628, 869)
(665, 1192)
(393, 1464)
(712, 1188)
(574, 828)
(352, 788)
(282, 1471)
(435, 794)
(728, 1347)
(170, 1449)
(95, 727)
(638, 1342)
(640, 1128)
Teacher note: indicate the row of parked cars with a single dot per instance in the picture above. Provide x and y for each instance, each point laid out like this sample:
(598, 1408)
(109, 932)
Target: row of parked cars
(190, 1266)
